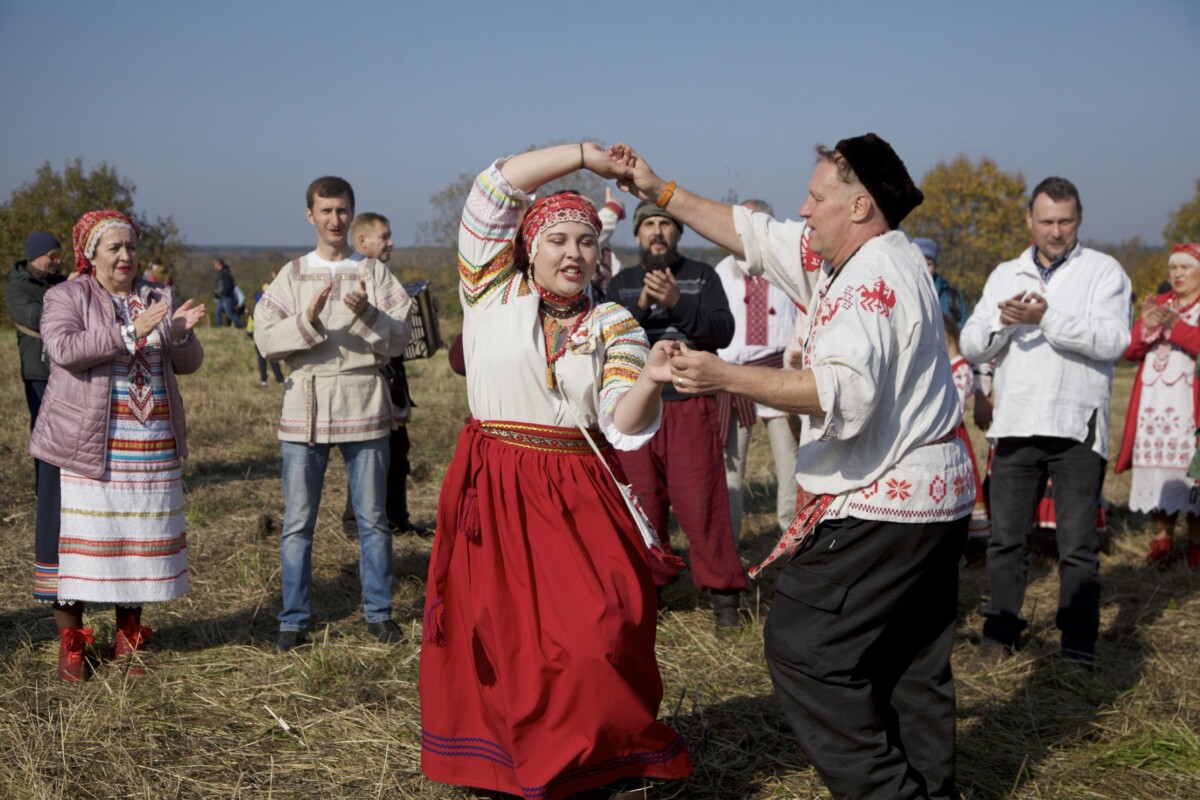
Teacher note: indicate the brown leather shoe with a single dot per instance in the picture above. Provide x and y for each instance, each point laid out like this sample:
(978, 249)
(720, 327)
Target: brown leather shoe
(72, 665)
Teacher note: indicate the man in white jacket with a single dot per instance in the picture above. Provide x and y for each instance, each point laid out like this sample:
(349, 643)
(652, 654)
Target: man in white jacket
(1055, 319)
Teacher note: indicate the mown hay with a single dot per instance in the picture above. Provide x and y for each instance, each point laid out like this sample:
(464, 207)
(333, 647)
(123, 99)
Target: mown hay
(220, 715)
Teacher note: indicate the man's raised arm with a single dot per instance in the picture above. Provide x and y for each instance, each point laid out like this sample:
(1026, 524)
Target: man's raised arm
(709, 218)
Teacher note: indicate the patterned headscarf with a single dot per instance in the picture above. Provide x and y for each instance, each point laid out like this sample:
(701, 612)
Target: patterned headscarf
(88, 230)
(1191, 249)
(558, 207)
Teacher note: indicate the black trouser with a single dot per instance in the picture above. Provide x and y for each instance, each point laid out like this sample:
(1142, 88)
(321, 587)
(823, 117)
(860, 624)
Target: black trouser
(858, 642)
(397, 485)
(49, 514)
(34, 392)
(1020, 467)
(262, 368)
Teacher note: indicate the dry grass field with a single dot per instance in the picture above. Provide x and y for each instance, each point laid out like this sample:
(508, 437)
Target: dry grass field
(221, 716)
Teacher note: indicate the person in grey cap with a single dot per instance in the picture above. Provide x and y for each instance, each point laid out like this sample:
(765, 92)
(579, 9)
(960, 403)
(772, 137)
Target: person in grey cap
(28, 282)
(954, 305)
(683, 466)
(861, 625)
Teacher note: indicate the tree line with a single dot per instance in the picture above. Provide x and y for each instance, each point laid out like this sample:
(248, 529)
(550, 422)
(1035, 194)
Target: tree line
(974, 210)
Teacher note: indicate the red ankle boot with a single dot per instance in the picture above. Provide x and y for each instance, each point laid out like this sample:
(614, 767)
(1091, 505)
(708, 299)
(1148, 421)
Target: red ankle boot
(130, 637)
(1160, 549)
(72, 666)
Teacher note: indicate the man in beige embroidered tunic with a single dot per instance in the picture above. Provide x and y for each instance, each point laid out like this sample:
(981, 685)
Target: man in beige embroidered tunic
(336, 321)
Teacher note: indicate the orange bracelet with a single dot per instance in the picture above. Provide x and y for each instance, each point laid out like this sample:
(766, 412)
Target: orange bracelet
(667, 193)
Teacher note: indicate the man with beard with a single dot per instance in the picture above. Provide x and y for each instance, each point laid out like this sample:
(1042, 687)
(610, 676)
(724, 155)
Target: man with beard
(682, 467)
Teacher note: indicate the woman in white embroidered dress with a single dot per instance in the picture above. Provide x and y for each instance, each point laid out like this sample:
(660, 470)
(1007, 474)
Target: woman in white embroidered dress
(538, 676)
(112, 438)
(1160, 424)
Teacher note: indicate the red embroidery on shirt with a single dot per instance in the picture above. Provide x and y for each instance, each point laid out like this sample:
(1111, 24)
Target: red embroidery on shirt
(960, 485)
(831, 307)
(870, 491)
(879, 298)
(810, 260)
(898, 489)
(937, 489)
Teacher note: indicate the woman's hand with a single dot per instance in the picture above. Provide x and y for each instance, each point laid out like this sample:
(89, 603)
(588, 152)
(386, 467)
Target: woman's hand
(658, 363)
(148, 320)
(634, 175)
(597, 159)
(1168, 316)
(186, 317)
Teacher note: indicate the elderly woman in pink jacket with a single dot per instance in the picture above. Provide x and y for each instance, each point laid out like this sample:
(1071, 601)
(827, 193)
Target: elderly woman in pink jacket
(111, 436)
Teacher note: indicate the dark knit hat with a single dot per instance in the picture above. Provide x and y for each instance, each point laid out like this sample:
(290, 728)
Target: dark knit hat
(39, 243)
(883, 174)
(646, 210)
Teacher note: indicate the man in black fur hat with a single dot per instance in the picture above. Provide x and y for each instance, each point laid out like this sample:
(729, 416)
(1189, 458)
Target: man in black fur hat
(861, 624)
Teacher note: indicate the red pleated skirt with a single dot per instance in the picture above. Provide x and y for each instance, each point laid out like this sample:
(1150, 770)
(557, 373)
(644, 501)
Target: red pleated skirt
(538, 674)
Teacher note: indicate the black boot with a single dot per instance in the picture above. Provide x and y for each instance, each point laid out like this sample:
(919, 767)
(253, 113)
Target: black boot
(725, 608)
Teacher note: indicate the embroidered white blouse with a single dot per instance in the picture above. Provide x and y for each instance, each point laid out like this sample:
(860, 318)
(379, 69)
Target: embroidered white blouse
(875, 343)
(503, 344)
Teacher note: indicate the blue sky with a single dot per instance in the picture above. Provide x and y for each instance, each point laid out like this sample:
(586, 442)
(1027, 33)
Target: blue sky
(222, 112)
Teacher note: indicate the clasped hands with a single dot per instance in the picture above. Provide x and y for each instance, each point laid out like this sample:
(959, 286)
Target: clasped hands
(620, 163)
(1023, 308)
(692, 371)
(355, 300)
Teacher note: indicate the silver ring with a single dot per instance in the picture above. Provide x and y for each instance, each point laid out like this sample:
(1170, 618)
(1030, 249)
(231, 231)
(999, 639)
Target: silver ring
(679, 381)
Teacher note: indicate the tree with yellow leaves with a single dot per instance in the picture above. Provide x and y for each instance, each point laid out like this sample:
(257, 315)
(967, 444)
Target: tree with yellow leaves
(1184, 222)
(976, 214)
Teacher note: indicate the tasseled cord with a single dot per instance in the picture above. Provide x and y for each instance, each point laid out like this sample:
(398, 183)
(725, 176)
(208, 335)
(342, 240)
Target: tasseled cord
(667, 559)
(435, 623)
(468, 516)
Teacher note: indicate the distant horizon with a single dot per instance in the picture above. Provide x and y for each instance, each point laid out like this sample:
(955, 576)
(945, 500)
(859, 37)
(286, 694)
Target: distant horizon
(216, 115)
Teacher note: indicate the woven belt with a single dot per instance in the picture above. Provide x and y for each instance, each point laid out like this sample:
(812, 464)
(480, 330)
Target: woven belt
(544, 438)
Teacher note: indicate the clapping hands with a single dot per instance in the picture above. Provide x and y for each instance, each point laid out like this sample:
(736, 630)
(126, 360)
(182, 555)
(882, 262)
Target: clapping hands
(1156, 316)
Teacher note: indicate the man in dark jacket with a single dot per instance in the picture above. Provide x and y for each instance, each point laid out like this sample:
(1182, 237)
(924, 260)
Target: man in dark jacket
(683, 466)
(225, 294)
(27, 285)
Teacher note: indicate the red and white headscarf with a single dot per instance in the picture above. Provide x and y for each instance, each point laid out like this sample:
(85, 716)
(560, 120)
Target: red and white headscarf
(547, 212)
(88, 230)
(1187, 250)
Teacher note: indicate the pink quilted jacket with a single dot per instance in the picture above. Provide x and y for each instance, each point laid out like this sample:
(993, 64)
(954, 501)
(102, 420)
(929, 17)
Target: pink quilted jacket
(82, 337)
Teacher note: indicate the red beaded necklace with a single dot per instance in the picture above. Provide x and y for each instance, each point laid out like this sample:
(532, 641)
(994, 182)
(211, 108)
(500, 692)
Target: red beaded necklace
(551, 330)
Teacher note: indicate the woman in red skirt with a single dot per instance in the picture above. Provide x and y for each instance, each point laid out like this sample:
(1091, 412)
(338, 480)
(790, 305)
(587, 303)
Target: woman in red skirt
(538, 674)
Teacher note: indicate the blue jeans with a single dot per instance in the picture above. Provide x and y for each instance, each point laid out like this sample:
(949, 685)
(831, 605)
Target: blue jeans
(227, 308)
(303, 476)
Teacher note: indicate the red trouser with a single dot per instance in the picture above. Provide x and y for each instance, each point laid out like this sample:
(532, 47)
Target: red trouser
(682, 468)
